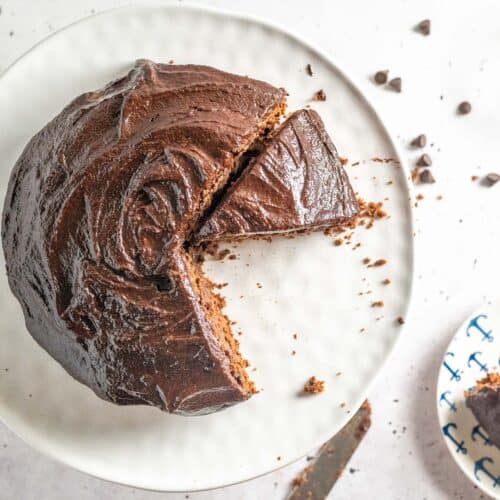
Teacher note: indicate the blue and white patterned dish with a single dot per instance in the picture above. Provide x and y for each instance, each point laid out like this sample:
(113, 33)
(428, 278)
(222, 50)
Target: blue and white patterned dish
(474, 351)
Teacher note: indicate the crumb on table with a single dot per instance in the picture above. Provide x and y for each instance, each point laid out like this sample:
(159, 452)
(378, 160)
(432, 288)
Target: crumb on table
(319, 95)
(314, 386)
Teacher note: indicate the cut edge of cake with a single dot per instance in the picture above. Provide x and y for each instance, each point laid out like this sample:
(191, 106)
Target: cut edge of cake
(210, 301)
(234, 165)
(213, 304)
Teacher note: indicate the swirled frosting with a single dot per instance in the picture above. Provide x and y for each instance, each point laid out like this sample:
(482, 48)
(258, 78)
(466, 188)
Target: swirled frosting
(98, 208)
(296, 183)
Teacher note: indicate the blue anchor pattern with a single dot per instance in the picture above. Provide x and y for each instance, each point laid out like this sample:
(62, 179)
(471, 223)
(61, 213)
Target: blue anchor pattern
(459, 366)
(444, 398)
(477, 430)
(459, 444)
(455, 374)
(474, 324)
(473, 358)
(480, 467)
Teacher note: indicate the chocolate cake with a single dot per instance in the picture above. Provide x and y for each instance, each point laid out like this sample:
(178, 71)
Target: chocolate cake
(296, 183)
(98, 209)
(484, 402)
(104, 208)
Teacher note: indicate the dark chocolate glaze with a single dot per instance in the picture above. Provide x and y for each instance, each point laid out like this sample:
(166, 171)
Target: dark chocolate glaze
(98, 207)
(296, 183)
(485, 405)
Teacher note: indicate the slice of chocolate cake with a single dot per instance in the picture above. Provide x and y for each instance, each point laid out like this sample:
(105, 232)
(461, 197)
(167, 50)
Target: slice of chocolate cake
(484, 402)
(296, 183)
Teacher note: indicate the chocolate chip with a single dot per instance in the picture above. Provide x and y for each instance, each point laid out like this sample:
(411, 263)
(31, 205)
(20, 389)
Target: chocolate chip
(491, 179)
(396, 84)
(424, 27)
(426, 177)
(309, 70)
(424, 161)
(464, 108)
(381, 77)
(420, 141)
(319, 95)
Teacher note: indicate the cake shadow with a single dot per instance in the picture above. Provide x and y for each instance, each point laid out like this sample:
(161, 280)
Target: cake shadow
(428, 441)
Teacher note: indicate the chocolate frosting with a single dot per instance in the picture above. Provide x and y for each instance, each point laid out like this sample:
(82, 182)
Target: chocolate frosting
(485, 405)
(296, 183)
(98, 208)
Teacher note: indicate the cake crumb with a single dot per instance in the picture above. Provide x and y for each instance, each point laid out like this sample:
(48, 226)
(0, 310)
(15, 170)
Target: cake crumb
(378, 303)
(439, 197)
(474, 178)
(491, 379)
(369, 212)
(343, 160)
(259, 285)
(338, 374)
(309, 70)
(295, 336)
(400, 320)
(378, 263)
(337, 242)
(366, 260)
(278, 457)
(420, 197)
(319, 95)
(314, 386)
(415, 174)
(294, 352)
(386, 281)
(342, 405)
(302, 477)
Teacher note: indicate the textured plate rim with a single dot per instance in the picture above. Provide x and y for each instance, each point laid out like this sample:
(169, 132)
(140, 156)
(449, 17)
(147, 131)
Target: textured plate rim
(461, 464)
(352, 82)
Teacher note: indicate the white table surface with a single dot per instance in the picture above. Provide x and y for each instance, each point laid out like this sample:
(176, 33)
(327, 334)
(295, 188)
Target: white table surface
(458, 238)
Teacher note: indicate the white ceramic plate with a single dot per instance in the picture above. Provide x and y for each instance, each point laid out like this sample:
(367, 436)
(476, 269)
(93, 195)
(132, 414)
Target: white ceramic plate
(474, 350)
(307, 285)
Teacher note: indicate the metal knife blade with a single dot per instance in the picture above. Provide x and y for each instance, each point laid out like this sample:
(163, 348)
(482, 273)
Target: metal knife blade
(322, 473)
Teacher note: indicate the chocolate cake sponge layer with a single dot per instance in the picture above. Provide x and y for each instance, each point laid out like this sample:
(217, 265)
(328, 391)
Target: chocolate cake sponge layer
(296, 183)
(98, 207)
